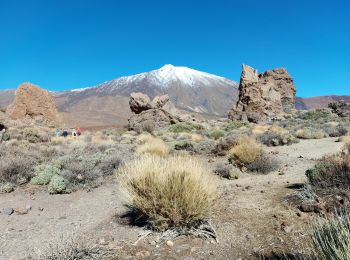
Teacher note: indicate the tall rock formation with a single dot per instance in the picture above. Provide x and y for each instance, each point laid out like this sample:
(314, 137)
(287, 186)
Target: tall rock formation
(264, 96)
(33, 102)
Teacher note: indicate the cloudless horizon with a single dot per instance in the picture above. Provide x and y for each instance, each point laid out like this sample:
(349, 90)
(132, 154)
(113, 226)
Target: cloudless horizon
(71, 44)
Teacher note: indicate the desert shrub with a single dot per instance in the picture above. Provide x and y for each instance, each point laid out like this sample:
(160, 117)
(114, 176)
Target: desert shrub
(330, 172)
(234, 125)
(316, 114)
(57, 185)
(7, 187)
(205, 146)
(184, 127)
(33, 135)
(43, 174)
(216, 134)
(335, 131)
(245, 151)
(170, 192)
(184, 145)
(196, 137)
(331, 237)
(263, 164)
(227, 171)
(153, 146)
(276, 139)
(310, 133)
(17, 162)
(75, 248)
(225, 144)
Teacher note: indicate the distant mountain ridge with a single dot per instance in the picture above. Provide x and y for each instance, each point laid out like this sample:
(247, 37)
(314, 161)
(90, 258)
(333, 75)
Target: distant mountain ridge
(190, 91)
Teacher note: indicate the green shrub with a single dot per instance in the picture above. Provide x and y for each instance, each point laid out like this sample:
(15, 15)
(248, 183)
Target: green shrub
(44, 174)
(234, 125)
(183, 127)
(7, 187)
(216, 134)
(57, 185)
(316, 114)
(184, 145)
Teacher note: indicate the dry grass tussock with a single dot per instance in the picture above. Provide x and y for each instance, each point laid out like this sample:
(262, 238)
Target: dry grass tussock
(310, 133)
(154, 146)
(245, 151)
(260, 129)
(170, 192)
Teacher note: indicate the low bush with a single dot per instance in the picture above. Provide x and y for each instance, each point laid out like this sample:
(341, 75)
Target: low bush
(43, 174)
(57, 185)
(216, 134)
(263, 164)
(310, 133)
(7, 187)
(331, 237)
(170, 192)
(184, 145)
(184, 127)
(346, 140)
(75, 248)
(330, 172)
(230, 126)
(276, 139)
(33, 135)
(227, 171)
(316, 114)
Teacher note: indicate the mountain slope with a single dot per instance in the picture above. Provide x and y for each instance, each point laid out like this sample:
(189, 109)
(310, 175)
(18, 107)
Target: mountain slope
(189, 90)
(318, 102)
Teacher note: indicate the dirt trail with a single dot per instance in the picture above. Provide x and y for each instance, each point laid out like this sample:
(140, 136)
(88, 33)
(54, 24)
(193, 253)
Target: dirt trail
(250, 216)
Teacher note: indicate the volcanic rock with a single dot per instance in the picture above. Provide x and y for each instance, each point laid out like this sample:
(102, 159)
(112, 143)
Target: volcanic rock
(33, 102)
(149, 114)
(266, 96)
(139, 102)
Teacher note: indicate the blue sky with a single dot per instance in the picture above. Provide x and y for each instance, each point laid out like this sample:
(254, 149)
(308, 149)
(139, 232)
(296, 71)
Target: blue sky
(65, 44)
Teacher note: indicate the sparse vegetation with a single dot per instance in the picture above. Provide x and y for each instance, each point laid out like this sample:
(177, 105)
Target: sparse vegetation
(310, 133)
(230, 126)
(330, 172)
(184, 127)
(216, 134)
(172, 192)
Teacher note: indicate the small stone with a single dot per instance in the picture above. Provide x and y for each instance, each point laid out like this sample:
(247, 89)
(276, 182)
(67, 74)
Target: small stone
(170, 243)
(21, 211)
(28, 207)
(7, 211)
(40, 208)
(262, 191)
(142, 255)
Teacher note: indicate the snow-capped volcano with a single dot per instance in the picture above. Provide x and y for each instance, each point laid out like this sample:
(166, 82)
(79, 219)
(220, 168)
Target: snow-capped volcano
(189, 90)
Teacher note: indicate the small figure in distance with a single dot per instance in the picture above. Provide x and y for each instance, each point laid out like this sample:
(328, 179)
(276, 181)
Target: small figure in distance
(65, 133)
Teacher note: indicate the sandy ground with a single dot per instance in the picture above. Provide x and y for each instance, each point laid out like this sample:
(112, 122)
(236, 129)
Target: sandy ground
(251, 215)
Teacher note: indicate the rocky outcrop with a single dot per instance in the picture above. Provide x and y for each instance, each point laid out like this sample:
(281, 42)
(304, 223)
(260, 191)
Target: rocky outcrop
(149, 114)
(266, 96)
(341, 108)
(33, 102)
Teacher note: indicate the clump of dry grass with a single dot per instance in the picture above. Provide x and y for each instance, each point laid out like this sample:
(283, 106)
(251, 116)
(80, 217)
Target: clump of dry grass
(170, 192)
(245, 151)
(153, 146)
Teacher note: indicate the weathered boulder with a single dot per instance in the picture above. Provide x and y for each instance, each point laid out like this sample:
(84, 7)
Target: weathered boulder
(160, 101)
(152, 118)
(341, 108)
(32, 101)
(264, 96)
(149, 115)
(139, 102)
